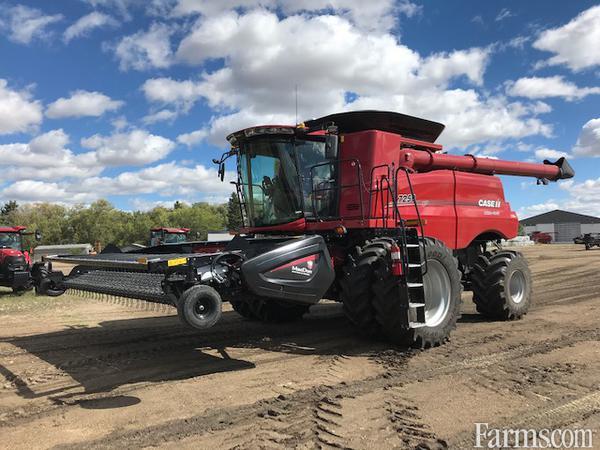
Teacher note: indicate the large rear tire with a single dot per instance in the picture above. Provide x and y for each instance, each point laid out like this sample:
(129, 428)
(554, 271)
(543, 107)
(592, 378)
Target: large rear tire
(502, 285)
(442, 285)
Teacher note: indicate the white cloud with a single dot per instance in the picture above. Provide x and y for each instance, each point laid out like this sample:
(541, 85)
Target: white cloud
(164, 115)
(145, 49)
(169, 91)
(538, 208)
(24, 24)
(588, 143)
(140, 204)
(545, 87)
(85, 24)
(82, 103)
(374, 15)
(136, 147)
(46, 157)
(192, 138)
(583, 198)
(18, 112)
(518, 42)
(574, 44)
(551, 154)
(265, 57)
(27, 191)
(124, 8)
(167, 180)
(119, 123)
(440, 68)
(503, 14)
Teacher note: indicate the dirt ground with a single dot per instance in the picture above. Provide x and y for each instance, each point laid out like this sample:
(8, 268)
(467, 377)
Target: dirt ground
(93, 372)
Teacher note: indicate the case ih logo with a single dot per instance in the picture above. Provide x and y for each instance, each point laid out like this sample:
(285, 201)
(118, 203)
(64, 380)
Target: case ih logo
(489, 203)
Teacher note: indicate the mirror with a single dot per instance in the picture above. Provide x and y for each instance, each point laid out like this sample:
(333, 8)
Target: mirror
(38, 235)
(331, 146)
(222, 171)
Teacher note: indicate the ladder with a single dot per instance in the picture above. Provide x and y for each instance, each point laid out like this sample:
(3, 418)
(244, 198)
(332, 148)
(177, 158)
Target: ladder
(413, 283)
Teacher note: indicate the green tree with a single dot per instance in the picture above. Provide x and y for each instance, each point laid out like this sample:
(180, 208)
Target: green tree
(8, 211)
(51, 220)
(234, 215)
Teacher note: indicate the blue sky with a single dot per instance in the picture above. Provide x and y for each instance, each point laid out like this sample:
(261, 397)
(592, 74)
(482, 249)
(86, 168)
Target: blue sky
(130, 99)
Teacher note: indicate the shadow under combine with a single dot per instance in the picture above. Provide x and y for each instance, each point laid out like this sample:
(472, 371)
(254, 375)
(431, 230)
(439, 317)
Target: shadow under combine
(121, 352)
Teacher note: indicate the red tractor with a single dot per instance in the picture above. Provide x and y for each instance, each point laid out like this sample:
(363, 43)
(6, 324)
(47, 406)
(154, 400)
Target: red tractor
(166, 235)
(362, 208)
(15, 261)
(540, 237)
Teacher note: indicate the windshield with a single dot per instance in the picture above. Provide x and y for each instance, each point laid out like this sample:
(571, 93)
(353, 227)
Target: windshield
(10, 240)
(173, 238)
(164, 237)
(276, 173)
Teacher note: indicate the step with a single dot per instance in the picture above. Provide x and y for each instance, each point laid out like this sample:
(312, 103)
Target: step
(414, 285)
(416, 325)
(411, 265)
(416, 305)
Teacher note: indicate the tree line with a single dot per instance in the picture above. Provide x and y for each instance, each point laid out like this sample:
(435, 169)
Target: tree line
(102, 222)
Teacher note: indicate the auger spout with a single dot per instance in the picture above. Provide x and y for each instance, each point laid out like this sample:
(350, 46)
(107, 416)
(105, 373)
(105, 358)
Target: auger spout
(424, 161)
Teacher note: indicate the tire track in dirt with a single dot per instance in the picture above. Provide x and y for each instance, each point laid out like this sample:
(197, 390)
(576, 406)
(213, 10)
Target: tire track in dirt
(302, 405)
(551, 417)
(100, 385)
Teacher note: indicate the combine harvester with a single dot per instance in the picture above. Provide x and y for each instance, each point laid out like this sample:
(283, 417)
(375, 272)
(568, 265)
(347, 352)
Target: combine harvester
(359, 207)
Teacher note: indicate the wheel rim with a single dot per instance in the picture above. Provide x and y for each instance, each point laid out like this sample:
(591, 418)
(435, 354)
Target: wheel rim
(203, 308)
(517, 286)
(438, 291)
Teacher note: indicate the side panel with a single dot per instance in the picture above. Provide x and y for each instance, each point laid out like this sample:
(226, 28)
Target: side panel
(372, 149)
(481, 208)
(300, 271)
(434, 192)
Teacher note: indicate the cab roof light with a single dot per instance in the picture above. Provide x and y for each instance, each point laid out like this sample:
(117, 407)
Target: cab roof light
(267, 130)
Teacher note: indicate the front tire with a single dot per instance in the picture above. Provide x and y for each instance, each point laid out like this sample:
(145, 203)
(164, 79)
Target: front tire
(442, 284)
(356, 286)
(199, 307)
(502, 285)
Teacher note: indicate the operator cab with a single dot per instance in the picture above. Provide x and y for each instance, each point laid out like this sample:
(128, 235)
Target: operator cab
(284, 175)
(297, 174)
(11, 239)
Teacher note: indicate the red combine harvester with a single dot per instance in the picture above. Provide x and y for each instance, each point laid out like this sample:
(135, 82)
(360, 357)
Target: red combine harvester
(15, 261)
(166, 235)
(359, 207)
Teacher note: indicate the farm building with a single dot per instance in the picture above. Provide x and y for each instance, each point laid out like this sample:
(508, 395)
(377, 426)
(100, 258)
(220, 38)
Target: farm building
(563, 226)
